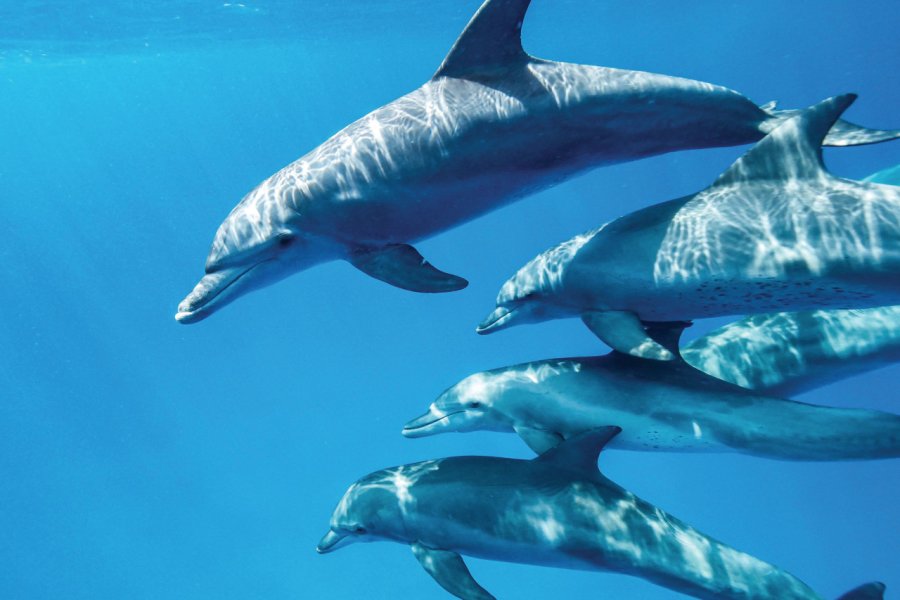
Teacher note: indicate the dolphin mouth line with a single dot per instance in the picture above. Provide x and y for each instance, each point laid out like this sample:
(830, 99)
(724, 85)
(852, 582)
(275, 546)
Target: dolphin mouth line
(416, 427)
(186, 316)
(495, 321)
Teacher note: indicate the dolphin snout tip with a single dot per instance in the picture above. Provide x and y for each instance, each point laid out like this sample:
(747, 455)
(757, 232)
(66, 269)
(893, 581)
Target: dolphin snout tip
(330, 542)
(498, 319)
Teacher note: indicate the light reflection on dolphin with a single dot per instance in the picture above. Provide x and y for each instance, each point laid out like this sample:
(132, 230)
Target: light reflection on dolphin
(789, 353)
(775, 232)
(556, 510)
(493, 125)
(793, 352)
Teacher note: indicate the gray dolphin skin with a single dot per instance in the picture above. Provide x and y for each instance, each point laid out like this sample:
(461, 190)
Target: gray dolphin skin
(659, 405)
(789, 353)
(493, 125)
(556, 510)
(775, 232)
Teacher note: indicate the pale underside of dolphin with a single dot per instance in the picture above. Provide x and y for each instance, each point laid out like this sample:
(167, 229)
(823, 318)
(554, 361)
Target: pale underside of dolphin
(659, 405)
(493, 125)
(775, 232)
(556, 510)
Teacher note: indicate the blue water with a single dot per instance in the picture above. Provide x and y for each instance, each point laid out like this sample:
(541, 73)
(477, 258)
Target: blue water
(140, 458)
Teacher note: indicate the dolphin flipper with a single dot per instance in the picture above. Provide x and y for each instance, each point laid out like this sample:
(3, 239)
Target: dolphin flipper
(451, 573)
(402, 266)
(491, 41)
(623, 331)
(870, 591)
(539, 440)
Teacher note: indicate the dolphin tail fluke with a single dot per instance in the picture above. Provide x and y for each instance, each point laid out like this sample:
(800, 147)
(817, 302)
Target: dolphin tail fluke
(623, 331)
(451, 573)
(870, 591)
(842, 133)
(402, 266)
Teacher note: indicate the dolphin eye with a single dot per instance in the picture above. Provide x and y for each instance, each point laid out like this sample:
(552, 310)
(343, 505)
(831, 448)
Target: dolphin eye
(475, 405)
(359, 530)
(285, 239)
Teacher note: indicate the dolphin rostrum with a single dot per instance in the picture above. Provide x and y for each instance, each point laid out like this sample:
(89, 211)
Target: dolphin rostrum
(493, 124)
(659, 405)
(775, 232)
(556, 510)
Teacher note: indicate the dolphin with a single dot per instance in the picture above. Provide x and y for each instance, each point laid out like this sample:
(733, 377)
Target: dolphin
(659, 405)
(793, 352)
(492, 125)
(556, 510)
(775, 232)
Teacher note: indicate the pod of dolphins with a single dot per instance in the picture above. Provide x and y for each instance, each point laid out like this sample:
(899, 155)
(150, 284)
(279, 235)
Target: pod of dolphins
(813, 259)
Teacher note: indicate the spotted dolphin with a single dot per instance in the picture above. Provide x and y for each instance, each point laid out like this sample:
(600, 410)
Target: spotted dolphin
(775, 232)
(493, 125)
(792, 352)
(556, 510)
(659, 405)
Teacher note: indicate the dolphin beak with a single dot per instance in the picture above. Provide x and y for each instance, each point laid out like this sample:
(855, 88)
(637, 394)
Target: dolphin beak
(420, 426)
(428, 424)
(209, 293)
(330, 542)
(497, 320)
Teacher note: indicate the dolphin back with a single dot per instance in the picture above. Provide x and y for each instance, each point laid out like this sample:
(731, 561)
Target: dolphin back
(793, 352)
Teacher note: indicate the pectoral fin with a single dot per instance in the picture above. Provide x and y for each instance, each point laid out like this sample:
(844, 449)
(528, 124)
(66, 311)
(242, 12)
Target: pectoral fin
(538, 440)
(623, 331)
(451, 573)
(402, 266)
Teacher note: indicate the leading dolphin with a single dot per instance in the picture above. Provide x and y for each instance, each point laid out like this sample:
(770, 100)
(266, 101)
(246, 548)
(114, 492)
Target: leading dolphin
(775, 232)
(556, 510)
(659, 405)
(493, 124)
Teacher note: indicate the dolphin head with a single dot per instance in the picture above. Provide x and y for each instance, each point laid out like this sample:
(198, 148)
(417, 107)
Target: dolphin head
(261, 242)
(533, 294)
(376, 508)
(473, 404)
(364, 514)
(496, 400)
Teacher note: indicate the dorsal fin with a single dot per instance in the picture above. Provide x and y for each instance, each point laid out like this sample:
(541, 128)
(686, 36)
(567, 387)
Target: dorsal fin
(793, 150)
(581, 451)
(491, 40)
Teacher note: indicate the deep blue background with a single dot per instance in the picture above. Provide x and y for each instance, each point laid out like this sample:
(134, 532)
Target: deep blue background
(140, 458)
